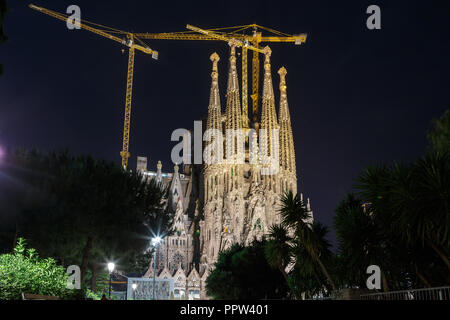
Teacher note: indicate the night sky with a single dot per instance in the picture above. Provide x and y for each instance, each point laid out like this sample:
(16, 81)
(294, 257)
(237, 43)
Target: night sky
(357, 97)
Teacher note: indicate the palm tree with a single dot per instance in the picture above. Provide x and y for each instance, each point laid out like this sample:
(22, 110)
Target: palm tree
(411, 204)
(439, 134)
(361, 242)
(428, 217)
(311, 236)
(278, 249)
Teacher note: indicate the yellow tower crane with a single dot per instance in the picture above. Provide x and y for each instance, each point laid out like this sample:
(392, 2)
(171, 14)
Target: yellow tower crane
(248, 41)
(128, 39)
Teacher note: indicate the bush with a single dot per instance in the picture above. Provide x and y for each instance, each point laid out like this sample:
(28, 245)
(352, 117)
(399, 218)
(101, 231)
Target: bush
(23, 271)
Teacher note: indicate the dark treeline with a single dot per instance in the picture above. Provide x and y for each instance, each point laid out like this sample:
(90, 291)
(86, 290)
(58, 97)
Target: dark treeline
(398, 218)
(79, 210)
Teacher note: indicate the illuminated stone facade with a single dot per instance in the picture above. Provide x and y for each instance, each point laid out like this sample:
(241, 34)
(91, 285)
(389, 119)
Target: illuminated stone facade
(234, 200)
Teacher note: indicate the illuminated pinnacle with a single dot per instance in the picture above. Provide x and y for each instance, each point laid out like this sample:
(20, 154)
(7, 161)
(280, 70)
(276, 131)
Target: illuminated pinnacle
(233, 108)
(233, 79)
(287, 152)
(215, 59)
(268, 114)
(214, 112)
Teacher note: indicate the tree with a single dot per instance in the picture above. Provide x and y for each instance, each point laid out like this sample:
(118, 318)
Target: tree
(24, 272)
(410, 205)
(439, 134)
(85, 211)
(361, 243)
(278, 249)
(399, 220)
(308, 237)
(243, 273)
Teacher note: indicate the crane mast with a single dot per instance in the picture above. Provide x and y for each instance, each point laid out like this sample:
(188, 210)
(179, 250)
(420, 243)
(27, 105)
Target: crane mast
(130, 42)
(245, 41)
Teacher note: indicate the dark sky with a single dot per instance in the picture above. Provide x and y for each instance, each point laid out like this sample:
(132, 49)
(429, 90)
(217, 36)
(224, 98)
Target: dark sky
(357, 96)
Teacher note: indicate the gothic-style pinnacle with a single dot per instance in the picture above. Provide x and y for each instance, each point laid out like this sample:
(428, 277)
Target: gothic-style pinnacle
(233, 107)
(282, 72)
(233, 80)
(215, 59)
(214, 112)
(268, 114)
(287, 153)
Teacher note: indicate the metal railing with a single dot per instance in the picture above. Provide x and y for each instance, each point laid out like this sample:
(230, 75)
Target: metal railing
(441, 293)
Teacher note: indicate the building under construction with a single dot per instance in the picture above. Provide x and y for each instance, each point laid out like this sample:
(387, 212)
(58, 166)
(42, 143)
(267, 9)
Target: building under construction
(219, 204)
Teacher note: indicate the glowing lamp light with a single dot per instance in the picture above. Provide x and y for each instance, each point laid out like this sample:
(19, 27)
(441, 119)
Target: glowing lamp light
(156, 240)
(134, 286)
(111, 267)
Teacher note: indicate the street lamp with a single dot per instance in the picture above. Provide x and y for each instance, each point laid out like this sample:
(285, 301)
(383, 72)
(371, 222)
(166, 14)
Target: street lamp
(155, 241)
(134, 286)
(111, 267)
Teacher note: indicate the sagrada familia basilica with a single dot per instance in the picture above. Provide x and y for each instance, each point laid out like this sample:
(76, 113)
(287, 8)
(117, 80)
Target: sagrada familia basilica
(224, 202)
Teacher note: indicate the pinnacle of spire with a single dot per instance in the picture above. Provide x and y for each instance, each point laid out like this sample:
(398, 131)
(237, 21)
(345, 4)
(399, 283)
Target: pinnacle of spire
(214, 113)
(282, 72)
(287, 152)
(233, 108)
(268, 87)
(159, 171)
(214, 121)
(233, 83)
(268, 114)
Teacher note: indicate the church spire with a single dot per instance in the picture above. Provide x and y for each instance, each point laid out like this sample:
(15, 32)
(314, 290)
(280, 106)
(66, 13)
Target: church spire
(214, 121)
(269, 131)
(234, 137)
(268, 114)
(287, 153)
(233, 108)
(214, 112)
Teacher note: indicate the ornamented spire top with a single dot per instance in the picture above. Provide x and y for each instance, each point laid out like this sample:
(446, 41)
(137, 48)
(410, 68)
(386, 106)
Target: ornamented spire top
(215, 59)
(287, 152)
(214, 113)
(214, 120)
(159, 172)
(233, 108)
(268, 114)
(233, 83)
(282, 72)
